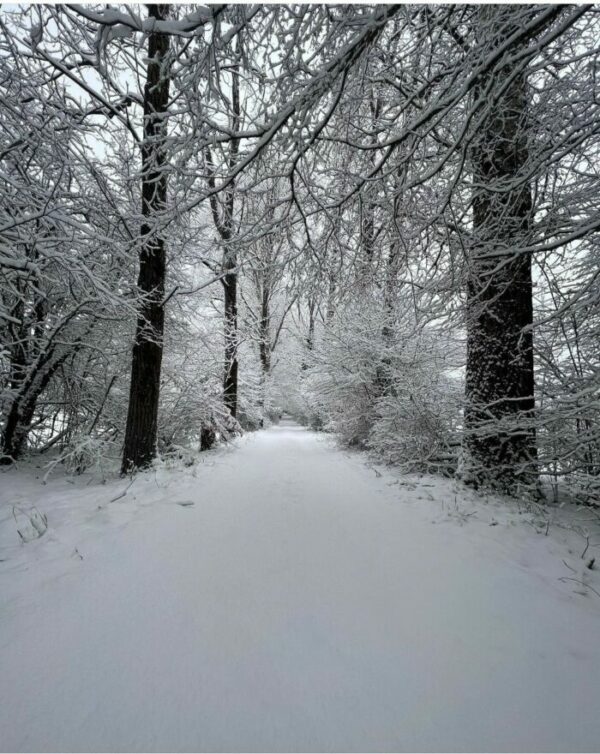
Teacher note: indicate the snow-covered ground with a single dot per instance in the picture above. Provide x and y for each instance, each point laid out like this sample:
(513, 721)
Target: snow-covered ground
(282, 595)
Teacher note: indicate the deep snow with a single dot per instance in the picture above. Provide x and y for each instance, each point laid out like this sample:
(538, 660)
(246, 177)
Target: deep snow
(282, 595)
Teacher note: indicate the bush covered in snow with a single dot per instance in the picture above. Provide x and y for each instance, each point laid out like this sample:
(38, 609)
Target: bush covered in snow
(388, 389)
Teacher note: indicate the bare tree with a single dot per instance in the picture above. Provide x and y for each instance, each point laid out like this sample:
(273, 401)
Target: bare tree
(141, 431)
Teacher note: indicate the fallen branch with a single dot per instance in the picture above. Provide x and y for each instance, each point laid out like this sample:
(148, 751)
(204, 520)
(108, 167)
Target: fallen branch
(122, 494)
(578, 581)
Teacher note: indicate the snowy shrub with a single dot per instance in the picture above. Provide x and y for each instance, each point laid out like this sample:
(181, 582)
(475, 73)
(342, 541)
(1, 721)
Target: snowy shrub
(306, 403)
(390, 391)
(250, 415)
(85, 452)
(417, 430)
(191, 411)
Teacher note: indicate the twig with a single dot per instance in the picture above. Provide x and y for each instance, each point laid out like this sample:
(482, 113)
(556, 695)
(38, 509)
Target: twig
(578, 581)
(98, 413)
(118, 497)
(586, 547)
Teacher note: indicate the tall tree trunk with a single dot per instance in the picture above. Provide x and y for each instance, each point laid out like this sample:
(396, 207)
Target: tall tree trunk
(500, 443)
(142, 417)
(223, 218)
(384, 377)
(367, 207)
(264, 345)
(230, 379)
(310, 336)
(384, 373)
(264, 340)
(367, 242)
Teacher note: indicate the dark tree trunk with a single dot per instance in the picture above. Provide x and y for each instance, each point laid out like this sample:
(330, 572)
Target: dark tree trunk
(22, 409)
(26, 337)
(12, 444)
(367, 242)
(142, 417)
(208, 437)
(17, 427)
(222, 212)
(384, 380)
(310, 337)
(31, 368)
(500, 443)
(264, 341)
(265, 335)
(230, 379)
(367, 207)
(384, 376)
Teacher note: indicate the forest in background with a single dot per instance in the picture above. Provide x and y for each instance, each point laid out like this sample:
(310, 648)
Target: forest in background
(382, 220)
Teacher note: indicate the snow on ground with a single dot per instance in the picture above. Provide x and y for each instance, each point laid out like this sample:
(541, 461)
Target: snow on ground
(282, 595)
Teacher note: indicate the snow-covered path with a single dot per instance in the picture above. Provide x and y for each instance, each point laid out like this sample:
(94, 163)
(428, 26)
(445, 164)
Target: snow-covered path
(302, 603)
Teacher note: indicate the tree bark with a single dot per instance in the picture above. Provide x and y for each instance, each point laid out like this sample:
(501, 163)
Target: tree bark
(500, 442)
(142, 417)
(230, 379)
(18, 424)
(264, 345)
